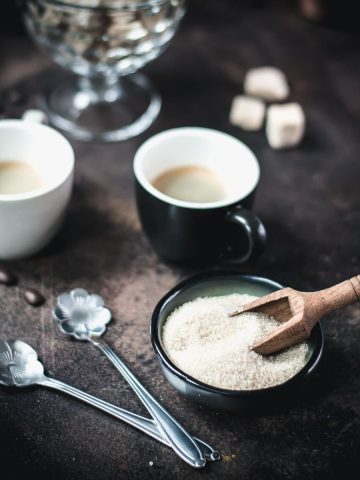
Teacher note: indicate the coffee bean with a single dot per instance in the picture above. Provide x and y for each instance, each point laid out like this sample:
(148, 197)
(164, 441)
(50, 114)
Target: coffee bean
(7, 277)
(34, 297)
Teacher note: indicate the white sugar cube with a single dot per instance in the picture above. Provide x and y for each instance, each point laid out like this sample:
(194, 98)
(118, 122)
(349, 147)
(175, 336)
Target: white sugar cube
(268, 83)
(34, 116)
(247, 112)
(285, 125)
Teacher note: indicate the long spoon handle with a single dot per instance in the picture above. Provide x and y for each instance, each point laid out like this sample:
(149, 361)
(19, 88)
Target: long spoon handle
(180, 440)
(141, 423)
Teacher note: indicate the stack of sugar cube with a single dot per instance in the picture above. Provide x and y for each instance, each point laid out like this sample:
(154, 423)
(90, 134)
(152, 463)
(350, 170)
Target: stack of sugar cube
(285, 122)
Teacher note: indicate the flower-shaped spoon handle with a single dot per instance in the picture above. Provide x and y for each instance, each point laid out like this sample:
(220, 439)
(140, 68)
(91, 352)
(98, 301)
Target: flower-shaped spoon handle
(84, 316)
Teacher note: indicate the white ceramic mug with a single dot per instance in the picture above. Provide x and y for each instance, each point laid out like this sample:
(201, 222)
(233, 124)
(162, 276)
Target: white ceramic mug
(28, 221)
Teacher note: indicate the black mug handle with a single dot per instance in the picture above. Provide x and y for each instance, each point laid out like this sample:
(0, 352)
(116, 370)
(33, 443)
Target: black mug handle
(254, 231)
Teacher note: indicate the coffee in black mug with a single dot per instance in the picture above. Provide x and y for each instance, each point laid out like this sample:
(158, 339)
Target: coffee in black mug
(194, 190)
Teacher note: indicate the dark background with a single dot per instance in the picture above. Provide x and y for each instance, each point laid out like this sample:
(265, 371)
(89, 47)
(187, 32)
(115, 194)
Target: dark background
(309, 200)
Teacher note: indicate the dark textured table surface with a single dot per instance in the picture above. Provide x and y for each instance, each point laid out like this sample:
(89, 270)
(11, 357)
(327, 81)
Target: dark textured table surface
(309, 200)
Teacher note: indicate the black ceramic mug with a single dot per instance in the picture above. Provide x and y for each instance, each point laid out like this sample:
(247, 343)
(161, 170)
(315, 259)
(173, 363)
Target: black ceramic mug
(192, 232)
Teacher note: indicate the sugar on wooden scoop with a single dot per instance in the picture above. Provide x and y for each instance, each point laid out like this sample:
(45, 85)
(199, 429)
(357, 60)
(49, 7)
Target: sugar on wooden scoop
(299, 311)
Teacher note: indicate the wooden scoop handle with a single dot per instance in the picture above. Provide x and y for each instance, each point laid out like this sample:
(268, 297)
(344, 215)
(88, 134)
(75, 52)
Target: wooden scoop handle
(333, 298)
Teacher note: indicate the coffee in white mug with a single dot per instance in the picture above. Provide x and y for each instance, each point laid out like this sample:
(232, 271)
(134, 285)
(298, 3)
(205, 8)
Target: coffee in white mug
(191, 183)
(18, 177)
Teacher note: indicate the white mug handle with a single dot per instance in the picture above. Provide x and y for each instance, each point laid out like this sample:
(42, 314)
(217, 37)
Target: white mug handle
(35, 116)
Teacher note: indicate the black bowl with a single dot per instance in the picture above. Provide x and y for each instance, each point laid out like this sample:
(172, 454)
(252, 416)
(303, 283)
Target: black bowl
(261, 400)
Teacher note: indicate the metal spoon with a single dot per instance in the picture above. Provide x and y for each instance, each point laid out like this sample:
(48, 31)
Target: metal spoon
(83, 316)
(20, 367)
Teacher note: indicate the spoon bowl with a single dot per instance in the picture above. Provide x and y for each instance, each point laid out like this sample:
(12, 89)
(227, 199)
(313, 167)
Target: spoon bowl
(19, 365)
(81, 315)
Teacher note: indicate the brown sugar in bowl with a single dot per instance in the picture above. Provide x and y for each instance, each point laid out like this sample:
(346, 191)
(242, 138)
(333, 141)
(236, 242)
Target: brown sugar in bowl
(246, 401)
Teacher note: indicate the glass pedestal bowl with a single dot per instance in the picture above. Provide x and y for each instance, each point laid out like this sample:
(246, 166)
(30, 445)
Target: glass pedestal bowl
(103, 42)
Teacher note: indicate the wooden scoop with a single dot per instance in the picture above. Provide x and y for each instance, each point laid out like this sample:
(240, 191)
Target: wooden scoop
(299, 311)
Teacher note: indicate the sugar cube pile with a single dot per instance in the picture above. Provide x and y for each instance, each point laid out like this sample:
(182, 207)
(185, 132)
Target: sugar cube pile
(285, 122)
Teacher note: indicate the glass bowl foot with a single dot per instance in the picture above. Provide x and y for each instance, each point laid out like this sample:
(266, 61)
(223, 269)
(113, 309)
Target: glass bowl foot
(103, 109)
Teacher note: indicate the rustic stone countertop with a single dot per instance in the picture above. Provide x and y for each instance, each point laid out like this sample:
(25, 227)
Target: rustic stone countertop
(309, 200)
